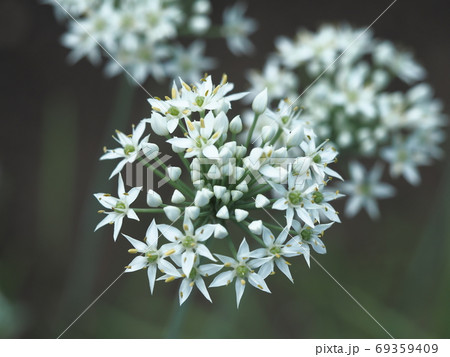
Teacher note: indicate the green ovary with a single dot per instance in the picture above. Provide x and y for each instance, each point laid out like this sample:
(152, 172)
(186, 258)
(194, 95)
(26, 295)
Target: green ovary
(306, 234)
(275, 250)
(189, 242)
(295, 197)
(128, 149)
(242, 271)
(120, 206)
(200, 100)
(317, 159)
(173, 111)
(152, 257)
(317, 197)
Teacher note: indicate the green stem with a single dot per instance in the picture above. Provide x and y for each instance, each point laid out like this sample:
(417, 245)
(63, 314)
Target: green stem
(148, 210)
(277, 135)
(258, 190)
(252, 129)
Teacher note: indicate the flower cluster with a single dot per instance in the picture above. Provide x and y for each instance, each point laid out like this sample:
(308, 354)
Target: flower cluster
(230, 181)
(346, 79)
(140, 36)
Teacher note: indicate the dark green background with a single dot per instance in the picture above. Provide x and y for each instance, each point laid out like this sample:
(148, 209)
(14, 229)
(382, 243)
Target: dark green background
(56, 118)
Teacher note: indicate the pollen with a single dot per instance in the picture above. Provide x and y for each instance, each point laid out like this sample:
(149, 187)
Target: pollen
(190, 125)
(169, 279)
(132, 251)
(169, 252)
(259, 286)
(242, 281)
(191, 284)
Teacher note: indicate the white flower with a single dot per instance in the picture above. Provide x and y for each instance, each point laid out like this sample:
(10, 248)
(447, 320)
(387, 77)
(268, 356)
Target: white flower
(131, 148)
(295, 199)
(237, 28)
(259, 104)
(195, 277)
(279, 82)
(307, 235)
(189, 63)
(242, 270)
(151, 258)
(188, 244)
(274, 252)
(200, 140)
(364, 189)
(120, 206)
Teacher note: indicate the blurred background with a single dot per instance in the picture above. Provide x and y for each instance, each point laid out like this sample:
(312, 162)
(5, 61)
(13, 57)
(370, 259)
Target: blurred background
(56, 118)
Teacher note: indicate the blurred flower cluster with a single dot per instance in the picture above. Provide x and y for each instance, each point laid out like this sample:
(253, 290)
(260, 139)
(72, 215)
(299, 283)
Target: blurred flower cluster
(366, 95)
(142, 37)
(229, 181)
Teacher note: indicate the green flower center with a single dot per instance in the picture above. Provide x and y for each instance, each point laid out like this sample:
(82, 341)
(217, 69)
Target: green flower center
(317, 159)
(365, 189)
(295, 197)
(120, 206)
(285, 119)
(275, 250)
(306, 234)
(189, 242)
(173, 111)
(152, 257)
(317, 197)
(199, 100)
(242, 271)
(129, 149)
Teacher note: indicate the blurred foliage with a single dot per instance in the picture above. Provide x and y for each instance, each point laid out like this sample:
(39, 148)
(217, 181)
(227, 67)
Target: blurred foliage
(52, 265)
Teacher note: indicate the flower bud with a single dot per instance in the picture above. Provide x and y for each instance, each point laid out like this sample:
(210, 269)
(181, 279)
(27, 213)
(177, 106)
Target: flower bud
(268, 132)
(255, 227)
(236, 195)
(219, 191)
(173, 172)
(172, 212)
(226, 197)
(177, 197)
(223, 213)
(220, 231)
(153, 199)
(240, 151)
(236, 125)
(259, 104)
(261, 201)
(240, 214)
(192, 212)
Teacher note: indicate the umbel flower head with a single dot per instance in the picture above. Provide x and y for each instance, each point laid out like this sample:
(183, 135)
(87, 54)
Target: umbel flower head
(353, 103)
(142, 37)
(231, 179)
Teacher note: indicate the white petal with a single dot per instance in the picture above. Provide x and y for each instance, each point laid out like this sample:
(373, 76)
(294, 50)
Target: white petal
(187, 261)
(224, 278)
(239, 290)
(151, 274)
(282, 265)
(140, 246)
(171, 233)
(185, 290)
(202, 287)
(204, 251)
(258, 282)
(137, 263)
